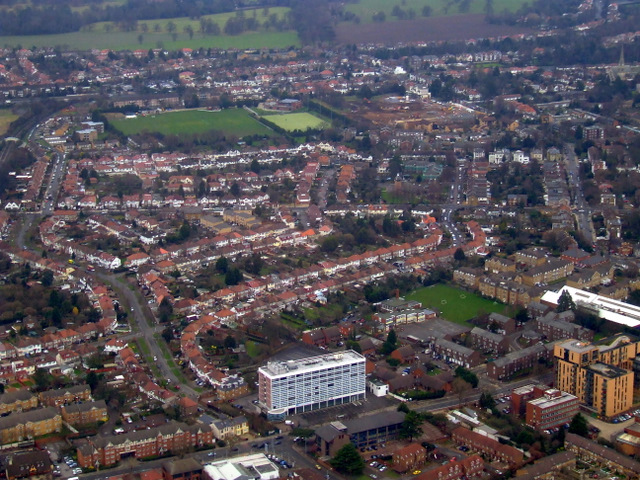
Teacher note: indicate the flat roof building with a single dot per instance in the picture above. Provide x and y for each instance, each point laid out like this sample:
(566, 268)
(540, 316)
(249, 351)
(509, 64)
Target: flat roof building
(553, 409)
(598, 374)
(305, 384)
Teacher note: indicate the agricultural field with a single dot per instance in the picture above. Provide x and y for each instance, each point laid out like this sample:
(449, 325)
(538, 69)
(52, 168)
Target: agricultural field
(297, 121)
(366, 9)
(455, 305)
(6, 117)
(156, 34)
(232, 122)
(444, 28)
(162, 24)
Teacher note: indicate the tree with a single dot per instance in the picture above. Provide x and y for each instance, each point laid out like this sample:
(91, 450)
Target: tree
(222, 264)
(411, 425)
(165, 310)
(467, 375)
(391, 343)
(42, 379)
(92, 380)
(459, 255)
(460, 387)
(233, 277)
(565, 302)
(579, 425)
(403, 407)
(348, 460)
(230, 342)
(487, 400)
(47, 278)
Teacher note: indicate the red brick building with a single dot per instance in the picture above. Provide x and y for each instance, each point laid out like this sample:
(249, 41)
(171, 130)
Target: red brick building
(466, 468)
(172, 437)
(409, 458)
(488, 446)
(551, 408)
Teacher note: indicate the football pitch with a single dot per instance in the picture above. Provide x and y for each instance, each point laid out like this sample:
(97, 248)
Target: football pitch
(296, 121)
(454, 304)
(234, 121)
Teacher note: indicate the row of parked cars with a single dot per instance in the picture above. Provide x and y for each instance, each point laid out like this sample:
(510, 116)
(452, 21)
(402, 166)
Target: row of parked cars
(624, 417)
(282, 463)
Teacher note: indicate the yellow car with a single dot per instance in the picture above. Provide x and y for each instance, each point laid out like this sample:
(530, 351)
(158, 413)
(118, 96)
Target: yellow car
(318, 467)
(417, 472)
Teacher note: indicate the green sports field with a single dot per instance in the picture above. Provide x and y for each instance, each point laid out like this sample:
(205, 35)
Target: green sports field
(296, 121)
(235, 121)
(454, 304)
(365, 9)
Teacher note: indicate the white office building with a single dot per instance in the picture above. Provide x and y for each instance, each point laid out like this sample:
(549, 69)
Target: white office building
(302, 385)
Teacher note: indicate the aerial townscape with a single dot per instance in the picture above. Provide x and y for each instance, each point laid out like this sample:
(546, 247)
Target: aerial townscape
(320, 240)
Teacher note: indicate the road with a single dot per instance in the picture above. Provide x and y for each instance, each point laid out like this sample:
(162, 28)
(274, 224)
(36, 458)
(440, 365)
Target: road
(582, 211)
(140, 312)
(129, 296)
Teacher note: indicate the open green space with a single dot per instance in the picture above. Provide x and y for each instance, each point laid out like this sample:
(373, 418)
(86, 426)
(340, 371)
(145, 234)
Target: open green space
(131, 40)
(168, 33)
(6, 117)
(235, 121)
(454, 304)
(152, 25)
(297, 121)
(365, 9)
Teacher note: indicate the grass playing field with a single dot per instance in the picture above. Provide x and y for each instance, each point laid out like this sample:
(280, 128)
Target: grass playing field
(296, 121)
(233, 122)
(454, 304)
(365, 9)
(6, 117)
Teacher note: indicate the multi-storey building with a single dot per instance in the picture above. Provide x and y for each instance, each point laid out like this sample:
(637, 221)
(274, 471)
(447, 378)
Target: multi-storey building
(17, 401)
(388, 321)
(487, 341)
(409, 457)
(65, 396)
(553, 409)
(34, 423)
(455, 353)
(488, 446)
(505, 367)
(465, 469)
(600, 375)
(469, 277)
(363, 432)
(548, 272)
(85, 413)
(310, 383)
(234, 427)
(594, 453)
(554, 327)
(172, 437)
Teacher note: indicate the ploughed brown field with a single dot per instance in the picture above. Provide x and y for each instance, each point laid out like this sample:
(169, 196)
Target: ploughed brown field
(447, 28)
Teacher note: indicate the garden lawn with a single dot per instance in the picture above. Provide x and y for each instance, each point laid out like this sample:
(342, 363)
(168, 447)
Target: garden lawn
(296, 121)
(235, 121)
(455, 305)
